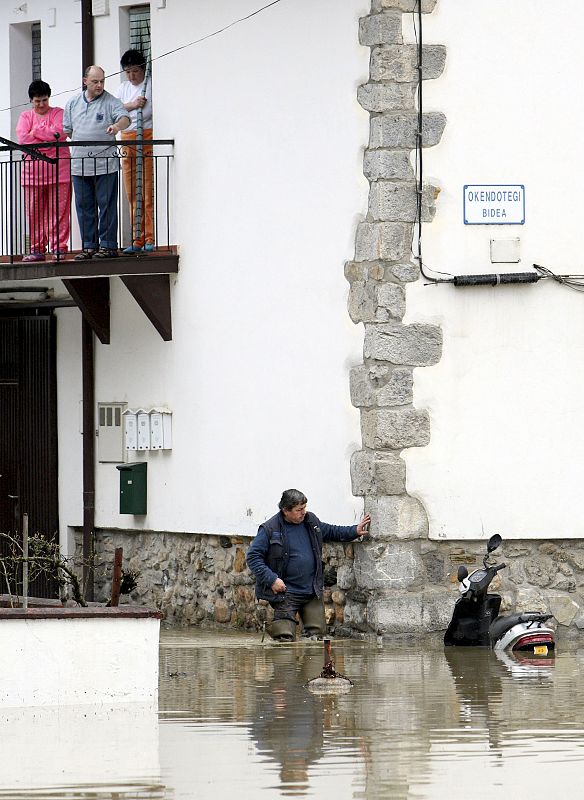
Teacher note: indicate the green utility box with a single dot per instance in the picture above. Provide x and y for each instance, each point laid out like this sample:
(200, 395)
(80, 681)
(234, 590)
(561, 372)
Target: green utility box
(133, 488)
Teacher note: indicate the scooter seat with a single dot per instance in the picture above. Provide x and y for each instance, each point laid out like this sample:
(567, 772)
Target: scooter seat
(501, 625)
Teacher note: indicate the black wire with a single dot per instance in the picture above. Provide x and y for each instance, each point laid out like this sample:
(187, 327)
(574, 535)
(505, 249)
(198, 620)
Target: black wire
(221, 30)
(575, 282)
(168, 53)
(419, 163)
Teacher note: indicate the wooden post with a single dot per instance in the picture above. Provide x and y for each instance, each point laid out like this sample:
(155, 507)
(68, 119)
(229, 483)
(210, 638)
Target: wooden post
(117, 576)
(328, 655)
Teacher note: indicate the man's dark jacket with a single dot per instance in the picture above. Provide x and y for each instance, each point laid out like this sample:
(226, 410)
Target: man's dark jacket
(269, 552)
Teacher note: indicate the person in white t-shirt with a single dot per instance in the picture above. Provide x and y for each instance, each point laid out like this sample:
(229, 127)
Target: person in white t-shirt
(134, 96)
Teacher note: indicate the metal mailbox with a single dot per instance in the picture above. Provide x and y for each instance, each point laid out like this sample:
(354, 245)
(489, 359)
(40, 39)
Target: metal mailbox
(131, 429)
(160, 429)
(143, 429)
(133, 488)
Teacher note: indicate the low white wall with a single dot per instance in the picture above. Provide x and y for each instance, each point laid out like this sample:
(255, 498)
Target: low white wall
(68, 661)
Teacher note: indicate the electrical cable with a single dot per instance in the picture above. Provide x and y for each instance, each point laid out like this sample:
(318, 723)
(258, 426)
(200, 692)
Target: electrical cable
(168, 53)
(491, 279)
(575, 282)
(419, 171)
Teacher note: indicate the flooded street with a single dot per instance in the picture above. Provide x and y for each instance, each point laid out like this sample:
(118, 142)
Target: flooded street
(235, 719)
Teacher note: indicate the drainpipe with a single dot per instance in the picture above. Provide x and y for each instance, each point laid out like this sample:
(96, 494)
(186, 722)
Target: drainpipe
(87, 367)
(88, 456)
(86, 35)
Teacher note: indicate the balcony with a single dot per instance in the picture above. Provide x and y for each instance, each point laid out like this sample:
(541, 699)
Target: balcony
(146, 275)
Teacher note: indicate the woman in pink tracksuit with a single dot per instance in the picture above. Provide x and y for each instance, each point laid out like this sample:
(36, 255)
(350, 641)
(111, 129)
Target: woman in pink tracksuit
(47, 190)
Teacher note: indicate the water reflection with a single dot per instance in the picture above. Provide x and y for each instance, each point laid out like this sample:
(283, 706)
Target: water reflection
(235, 717)
(414, 714)
(80, 751)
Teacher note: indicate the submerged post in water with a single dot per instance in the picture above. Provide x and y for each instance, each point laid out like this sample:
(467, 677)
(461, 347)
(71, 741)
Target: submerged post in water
(329, 681)
(328, 653)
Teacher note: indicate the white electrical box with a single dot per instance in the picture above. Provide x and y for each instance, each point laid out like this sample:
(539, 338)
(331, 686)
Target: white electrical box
(505, 251)
(131, 429)
(110, 432)
(143, 429)
(160, 429)
(99, 8)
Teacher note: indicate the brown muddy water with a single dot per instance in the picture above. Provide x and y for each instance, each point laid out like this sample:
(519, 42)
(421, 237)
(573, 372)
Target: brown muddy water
(236, 721)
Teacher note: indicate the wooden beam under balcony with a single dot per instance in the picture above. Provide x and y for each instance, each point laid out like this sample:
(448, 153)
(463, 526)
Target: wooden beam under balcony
(152, 293)
(92, 296)
(147, 277)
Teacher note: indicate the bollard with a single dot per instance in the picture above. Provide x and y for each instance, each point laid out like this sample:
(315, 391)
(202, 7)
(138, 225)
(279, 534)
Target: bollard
(329, 681)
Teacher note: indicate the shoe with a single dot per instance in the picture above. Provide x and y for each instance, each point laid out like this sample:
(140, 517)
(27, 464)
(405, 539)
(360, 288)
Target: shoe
(149, 247)
(106, 252)
(133, 248)
(85, 255)
(59, 255)
(34, 257)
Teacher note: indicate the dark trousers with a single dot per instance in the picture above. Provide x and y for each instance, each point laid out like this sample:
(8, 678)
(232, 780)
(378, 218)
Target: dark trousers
(309, 608)
(96, 203)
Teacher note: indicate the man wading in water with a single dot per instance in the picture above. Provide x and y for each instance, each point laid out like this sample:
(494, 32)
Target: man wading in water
(286, 559)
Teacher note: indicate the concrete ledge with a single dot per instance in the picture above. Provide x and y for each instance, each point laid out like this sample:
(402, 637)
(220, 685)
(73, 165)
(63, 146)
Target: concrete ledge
(78, 612)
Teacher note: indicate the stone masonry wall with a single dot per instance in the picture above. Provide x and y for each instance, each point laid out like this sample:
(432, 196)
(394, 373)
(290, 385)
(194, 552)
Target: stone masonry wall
(398, 577)
(196, 579)
(400, 587)
(402, 582)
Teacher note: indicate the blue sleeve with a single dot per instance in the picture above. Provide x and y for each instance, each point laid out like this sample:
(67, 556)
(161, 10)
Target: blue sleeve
(338, 533)
(256, 559)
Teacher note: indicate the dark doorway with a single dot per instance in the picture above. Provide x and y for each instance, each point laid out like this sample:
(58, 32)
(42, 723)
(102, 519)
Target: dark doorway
(28, 431)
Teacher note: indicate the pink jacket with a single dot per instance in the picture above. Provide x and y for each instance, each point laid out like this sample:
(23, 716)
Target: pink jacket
(33, 128)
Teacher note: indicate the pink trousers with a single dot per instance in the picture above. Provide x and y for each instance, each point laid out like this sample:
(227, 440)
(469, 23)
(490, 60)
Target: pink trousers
(48, 211)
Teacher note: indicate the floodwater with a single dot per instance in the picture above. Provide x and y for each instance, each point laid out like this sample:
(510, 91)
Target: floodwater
(235, 719)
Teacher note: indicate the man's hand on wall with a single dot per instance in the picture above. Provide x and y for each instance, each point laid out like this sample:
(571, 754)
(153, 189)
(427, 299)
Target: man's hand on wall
(363, 526)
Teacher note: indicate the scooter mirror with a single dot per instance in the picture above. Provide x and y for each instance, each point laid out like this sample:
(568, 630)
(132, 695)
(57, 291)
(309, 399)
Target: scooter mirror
(462, 573)
(493, 542)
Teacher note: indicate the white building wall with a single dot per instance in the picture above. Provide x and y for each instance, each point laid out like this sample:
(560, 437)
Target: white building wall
(507, 447)
(268, 189)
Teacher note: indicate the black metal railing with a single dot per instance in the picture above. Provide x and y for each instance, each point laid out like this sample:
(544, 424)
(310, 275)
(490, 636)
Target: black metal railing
(38, 218)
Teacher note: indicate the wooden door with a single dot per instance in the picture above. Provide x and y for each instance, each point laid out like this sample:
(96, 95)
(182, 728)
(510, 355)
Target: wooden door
(28, 431)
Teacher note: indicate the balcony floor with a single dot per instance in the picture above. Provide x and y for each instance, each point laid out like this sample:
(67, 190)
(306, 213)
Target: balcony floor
(159, 262)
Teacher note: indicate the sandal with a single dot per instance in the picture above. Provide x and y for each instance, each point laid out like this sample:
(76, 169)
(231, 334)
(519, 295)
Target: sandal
(85, 255)
(105, 252)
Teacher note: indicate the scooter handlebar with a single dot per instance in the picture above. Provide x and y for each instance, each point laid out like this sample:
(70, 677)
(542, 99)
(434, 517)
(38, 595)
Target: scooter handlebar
(499, 566)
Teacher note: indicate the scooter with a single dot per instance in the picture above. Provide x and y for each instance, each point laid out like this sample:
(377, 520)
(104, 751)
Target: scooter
(475, 621)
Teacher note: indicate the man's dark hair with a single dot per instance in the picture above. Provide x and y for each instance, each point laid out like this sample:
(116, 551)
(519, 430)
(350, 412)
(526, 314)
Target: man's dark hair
(133, 58)
(39, 89)
(290, 499)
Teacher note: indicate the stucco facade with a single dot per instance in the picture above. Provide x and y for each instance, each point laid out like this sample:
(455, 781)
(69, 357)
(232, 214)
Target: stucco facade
(448, 413)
